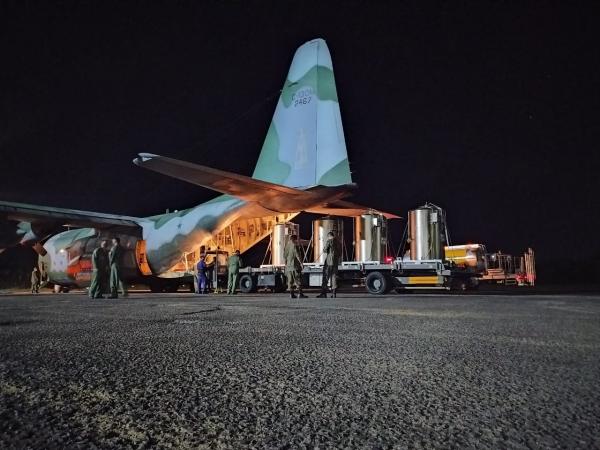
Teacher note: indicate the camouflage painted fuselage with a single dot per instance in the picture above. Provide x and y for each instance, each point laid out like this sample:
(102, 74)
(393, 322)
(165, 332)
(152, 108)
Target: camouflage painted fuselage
(167, 236)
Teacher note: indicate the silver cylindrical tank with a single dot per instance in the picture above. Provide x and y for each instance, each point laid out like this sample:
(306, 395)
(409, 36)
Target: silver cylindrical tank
(370, 237)
(281, 235)
(321, 227)
(425, 228)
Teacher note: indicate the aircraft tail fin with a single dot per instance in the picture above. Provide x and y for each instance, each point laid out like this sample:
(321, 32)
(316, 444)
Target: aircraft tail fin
(305, 143)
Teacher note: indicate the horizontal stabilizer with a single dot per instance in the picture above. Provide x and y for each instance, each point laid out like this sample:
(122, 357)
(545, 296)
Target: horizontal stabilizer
(347, 209)
(274, 197)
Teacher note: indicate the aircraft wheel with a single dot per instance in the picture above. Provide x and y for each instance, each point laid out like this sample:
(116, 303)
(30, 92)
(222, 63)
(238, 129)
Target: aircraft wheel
(377, 283)
(247, 283)
(172, 287)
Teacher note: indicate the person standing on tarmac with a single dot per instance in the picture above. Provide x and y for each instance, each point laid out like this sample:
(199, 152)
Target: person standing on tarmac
(43, 276)
(330, 268)
(115, 259)
(234, 262)
(35, 281)
(100, 271)
(293, 267)
(202, 279)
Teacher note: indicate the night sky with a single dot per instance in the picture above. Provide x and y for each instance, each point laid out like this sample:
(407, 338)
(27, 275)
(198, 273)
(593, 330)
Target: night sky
(490, 111)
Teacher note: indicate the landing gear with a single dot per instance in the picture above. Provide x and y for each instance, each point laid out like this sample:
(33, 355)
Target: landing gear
(58, 289)
(172, 287)
(158, 286)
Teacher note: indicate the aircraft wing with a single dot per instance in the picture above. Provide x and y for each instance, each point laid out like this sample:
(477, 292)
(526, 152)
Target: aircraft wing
(274, 197)
(64, 217)
(24, 223)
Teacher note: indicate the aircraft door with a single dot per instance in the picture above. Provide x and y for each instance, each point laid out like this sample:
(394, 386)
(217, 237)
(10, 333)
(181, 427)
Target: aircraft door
(141, 258)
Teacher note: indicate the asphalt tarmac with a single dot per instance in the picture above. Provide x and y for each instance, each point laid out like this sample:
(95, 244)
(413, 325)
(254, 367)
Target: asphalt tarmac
(405, 371)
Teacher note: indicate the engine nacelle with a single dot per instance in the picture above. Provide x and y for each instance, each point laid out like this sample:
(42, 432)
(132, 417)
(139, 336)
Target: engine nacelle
(25, 233)
(10, 233)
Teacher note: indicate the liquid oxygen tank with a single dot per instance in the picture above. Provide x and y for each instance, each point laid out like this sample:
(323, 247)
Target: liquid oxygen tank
(321, 227)
(370, 234)
(427, 232)
(281, 235)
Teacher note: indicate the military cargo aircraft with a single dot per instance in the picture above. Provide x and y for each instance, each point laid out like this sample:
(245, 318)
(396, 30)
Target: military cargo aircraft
(303, 166)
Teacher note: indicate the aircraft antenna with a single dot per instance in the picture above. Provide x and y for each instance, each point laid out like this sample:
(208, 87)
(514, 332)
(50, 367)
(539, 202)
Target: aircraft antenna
(219, 130)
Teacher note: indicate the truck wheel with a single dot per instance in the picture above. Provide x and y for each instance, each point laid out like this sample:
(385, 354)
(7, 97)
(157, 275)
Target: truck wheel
(377, 283)
(247, 283)
(458, 284)
(473, 284)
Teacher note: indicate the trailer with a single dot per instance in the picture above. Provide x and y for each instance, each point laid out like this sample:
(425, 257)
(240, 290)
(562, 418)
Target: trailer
(374, 276)
(378, 277)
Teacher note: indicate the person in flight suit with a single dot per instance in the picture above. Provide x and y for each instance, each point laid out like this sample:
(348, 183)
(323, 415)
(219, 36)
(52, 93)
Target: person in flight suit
(115, 259)
(330, 268)
(202, 272)
(293, 267)
(35, 281)
(43, 275)
(100, 271)
(234, 262)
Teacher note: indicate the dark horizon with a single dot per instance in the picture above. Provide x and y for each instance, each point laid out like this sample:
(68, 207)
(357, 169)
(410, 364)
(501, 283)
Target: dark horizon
(489, 111)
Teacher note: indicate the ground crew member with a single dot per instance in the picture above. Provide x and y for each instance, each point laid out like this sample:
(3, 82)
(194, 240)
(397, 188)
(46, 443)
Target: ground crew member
(115, 259)
(35, 281)
(211, 280)
(293, 267)
(234, 262)
(202, 271)
(43, 275)
(330, 268)
(100, 271)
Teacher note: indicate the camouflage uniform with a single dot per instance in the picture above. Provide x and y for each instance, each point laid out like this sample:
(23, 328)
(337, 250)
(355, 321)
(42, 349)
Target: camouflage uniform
(234, 262)
(293, 267)
(100, 273)
(35, 281)
(115, 258)
(330, 268)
